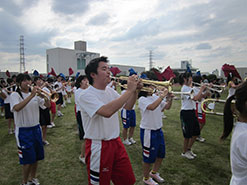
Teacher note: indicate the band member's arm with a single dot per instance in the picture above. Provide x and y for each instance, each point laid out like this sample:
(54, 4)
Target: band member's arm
(168, 104)
(22, 104)
(3, 95)
(157, 102)
(109, 109)
(200, 94)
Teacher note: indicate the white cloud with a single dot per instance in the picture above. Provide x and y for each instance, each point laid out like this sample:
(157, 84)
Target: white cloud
(125, 30)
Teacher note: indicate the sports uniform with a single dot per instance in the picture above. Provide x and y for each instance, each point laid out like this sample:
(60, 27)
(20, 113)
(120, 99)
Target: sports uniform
(106, 157)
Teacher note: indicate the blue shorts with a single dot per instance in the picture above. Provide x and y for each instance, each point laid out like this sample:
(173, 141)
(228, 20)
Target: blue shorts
(30, 146)
(153, 145)
(128, 118)
(1, 102)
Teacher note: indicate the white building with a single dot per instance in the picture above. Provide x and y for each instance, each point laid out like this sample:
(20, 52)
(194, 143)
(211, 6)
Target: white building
(125, 69)
(61, 59)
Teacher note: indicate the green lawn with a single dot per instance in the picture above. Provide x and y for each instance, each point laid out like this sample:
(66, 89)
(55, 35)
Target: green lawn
(61, 164)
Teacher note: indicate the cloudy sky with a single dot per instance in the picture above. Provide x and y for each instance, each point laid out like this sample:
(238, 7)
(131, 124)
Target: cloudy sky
(207, 32)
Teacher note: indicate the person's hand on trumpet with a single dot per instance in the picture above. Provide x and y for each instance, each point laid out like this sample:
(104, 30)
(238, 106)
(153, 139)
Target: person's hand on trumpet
(132, 83)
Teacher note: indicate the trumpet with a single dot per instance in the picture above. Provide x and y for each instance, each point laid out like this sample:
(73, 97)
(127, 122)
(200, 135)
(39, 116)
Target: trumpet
(149, 82)
(190, 93)
(53, 96)
(210, 106)
(210, 88)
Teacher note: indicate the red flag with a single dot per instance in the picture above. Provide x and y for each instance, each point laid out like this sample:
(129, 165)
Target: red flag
(168, 73)
(158, 75)
(70, 71)
(226, 68)
(115, 70)
(8, 73)
(53, 73)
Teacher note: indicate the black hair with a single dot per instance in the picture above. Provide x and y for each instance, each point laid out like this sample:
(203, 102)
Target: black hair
(79, 79)
(21, 77)
(9, 80)
(122, 83)
(93, 66)
(36, 78)
(183, 76)
(230, 77)
(241, 106)
(197, 79)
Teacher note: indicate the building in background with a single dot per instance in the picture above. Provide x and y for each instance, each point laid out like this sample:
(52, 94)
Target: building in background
(184, 65)
(61, 59)
(125, 69)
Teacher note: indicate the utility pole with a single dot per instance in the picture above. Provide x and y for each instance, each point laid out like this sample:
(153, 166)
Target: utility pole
(150, 59)
(22, 56)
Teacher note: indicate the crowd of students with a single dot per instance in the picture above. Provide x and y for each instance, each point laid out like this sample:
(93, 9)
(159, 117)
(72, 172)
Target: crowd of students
(96, 108)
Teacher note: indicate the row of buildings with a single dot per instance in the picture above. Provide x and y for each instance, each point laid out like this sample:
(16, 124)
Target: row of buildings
(61, 59)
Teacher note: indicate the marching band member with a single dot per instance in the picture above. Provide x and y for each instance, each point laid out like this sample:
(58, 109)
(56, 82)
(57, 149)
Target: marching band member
(201, 116)
(106, 157)
(44, 111)
(25, 106)
(152, 138)
(8, 114)
(59, 88)
(238, 149)
(69, 91)
(2, 96)
(189, 121)
(53, 104)
(128, 118)
(81, 84)
(231, 83)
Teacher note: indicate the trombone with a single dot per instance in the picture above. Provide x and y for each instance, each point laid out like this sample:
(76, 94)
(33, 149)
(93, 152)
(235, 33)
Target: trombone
(210, 106)
(210, 88)
(1, 88)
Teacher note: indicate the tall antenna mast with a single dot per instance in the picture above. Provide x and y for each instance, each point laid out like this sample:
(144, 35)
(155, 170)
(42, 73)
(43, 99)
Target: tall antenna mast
(22, 57)
(150, 59)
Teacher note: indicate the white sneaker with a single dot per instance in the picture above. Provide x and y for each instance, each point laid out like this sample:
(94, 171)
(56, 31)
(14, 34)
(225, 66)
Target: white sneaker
(150, 181)
(82, 159)
(192, 153)
(200, 139)
(132, 140)
(164, 117)
(187, 155)
(10, 131)
(34, 181)
(126, 142)
(45, 142)
(157, 177)
(2, 114)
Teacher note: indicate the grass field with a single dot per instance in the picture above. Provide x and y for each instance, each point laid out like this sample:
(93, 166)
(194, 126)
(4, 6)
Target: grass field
(62, 167)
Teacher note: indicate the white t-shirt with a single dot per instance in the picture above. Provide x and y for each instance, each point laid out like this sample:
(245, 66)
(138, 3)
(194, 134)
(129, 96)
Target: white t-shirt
(29, 115)
(196, 91)
(77, 96)
(239, 154)
(7, 99)
(134, 106)
(48, 91)
(231, 91)
(187, 102)
(95, 126)
(59, 86)
(151, 119)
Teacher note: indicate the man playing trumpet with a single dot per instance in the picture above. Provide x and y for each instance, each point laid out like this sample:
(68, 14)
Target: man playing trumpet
(106, 157)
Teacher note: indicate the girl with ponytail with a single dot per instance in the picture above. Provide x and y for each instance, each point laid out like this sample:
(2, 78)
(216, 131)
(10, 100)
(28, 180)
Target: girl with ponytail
(239, 136)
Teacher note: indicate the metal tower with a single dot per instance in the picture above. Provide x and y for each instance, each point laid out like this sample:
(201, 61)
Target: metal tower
(22, 57)
(150, 59)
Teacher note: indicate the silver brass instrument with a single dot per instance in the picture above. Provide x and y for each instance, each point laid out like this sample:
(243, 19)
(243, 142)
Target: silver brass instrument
(210, 88)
